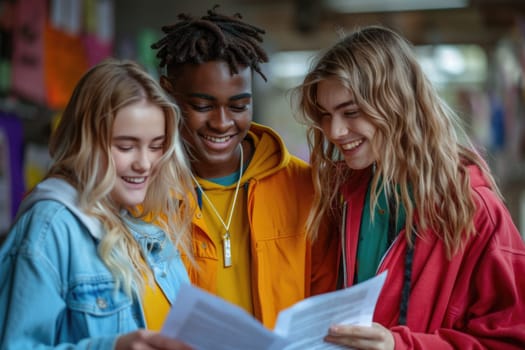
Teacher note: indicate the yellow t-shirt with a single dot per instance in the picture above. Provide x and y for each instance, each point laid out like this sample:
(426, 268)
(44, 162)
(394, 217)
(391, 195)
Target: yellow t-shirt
(155, 305)
(234, 282)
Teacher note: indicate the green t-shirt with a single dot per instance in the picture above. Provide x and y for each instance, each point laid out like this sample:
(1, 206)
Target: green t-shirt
(373, 236)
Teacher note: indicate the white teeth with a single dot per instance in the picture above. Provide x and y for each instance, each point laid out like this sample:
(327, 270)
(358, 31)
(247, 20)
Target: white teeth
(351, 145)
(217, 139)
(135, 180)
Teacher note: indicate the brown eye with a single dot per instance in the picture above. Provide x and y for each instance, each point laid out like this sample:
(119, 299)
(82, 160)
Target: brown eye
(239, 108)
(351, 114)
(124, 147)
(157, 147)
(201, 108)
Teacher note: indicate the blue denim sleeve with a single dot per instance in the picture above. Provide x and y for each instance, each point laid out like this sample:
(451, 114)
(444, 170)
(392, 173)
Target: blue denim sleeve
(35, 273)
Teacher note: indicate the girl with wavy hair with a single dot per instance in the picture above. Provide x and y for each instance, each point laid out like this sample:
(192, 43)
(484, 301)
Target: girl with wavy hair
(77, 269)
(391, 173)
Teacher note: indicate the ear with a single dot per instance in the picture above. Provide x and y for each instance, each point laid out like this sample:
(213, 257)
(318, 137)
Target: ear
(166, 84)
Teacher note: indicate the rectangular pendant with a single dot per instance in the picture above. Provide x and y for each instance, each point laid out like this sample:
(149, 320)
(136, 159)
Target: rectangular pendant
(226, 248)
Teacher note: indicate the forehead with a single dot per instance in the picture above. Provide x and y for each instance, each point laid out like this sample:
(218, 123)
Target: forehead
(140, 119)
(330, 93)
(214, 79)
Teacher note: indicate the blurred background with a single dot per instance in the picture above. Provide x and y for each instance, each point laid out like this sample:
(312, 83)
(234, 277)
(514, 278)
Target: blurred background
(472, 50)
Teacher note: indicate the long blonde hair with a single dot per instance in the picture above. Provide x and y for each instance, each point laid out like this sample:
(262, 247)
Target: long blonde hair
(81, 151)
(419, 160)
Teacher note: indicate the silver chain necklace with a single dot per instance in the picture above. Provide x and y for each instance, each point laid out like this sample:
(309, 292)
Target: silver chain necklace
(226, 244)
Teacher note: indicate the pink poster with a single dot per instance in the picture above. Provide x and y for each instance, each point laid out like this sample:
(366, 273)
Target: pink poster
(28, 49)
(97, 49)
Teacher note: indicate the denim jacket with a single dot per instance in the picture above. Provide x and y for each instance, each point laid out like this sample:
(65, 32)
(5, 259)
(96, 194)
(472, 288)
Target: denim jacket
(56, 293)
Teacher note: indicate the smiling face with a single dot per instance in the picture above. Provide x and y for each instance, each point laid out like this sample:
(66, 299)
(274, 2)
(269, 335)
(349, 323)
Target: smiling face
(217, 112)
(344, 124)
(137, 144)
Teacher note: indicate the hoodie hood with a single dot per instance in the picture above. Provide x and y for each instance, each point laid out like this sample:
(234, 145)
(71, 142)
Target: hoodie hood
(271, 154)
(61, 191)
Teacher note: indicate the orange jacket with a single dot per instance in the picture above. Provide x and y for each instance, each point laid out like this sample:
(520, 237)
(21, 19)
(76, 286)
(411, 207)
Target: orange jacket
(278, 203)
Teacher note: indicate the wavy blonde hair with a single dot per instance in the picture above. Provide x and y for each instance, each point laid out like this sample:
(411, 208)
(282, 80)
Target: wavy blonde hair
(81, 151)
(416, 143)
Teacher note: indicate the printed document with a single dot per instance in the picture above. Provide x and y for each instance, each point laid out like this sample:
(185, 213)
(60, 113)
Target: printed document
(205, 321)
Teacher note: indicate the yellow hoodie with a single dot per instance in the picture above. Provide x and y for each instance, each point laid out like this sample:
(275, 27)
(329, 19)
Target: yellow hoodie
(278, 192)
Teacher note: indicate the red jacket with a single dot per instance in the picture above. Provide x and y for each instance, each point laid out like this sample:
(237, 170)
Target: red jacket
(476, 300)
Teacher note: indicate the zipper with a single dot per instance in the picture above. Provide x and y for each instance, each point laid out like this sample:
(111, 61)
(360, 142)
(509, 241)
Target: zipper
(386, 253)
(343, 243)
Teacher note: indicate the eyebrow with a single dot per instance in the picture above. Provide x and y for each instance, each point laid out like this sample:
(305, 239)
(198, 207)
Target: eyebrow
(345, 104)
(212, 98)
(339, 106)
(133, 138)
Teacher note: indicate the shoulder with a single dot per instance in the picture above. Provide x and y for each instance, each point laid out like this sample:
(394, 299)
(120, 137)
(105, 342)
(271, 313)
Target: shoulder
(492, 218)
(298, 166)
(45, 213)
(296, 171)
(47, 223)
(489, 207)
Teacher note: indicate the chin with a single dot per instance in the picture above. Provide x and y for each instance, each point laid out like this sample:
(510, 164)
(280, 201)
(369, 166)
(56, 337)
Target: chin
(131, 202)
(358, 165)
(136, 202)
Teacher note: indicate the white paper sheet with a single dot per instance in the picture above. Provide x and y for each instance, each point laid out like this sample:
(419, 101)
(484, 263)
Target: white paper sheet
(206, 322)
(306, 323)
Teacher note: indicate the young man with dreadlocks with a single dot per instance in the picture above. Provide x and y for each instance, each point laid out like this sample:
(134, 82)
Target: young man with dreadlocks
(253, 196)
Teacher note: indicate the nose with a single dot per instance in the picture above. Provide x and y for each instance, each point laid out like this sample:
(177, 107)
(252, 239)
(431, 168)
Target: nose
(143, 161)
(221, 120)
(337, 127)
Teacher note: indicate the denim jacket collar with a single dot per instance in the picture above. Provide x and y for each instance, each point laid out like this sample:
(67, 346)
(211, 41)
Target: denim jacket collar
(63, 192)
(151, 238)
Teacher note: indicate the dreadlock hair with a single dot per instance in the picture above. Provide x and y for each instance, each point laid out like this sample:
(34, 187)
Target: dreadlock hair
(210, 38)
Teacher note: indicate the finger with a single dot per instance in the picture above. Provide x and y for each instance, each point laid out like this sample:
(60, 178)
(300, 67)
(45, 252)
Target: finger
(158, 341)
(135, 340)
(362, 332)
(361, 337)
(355, 343)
